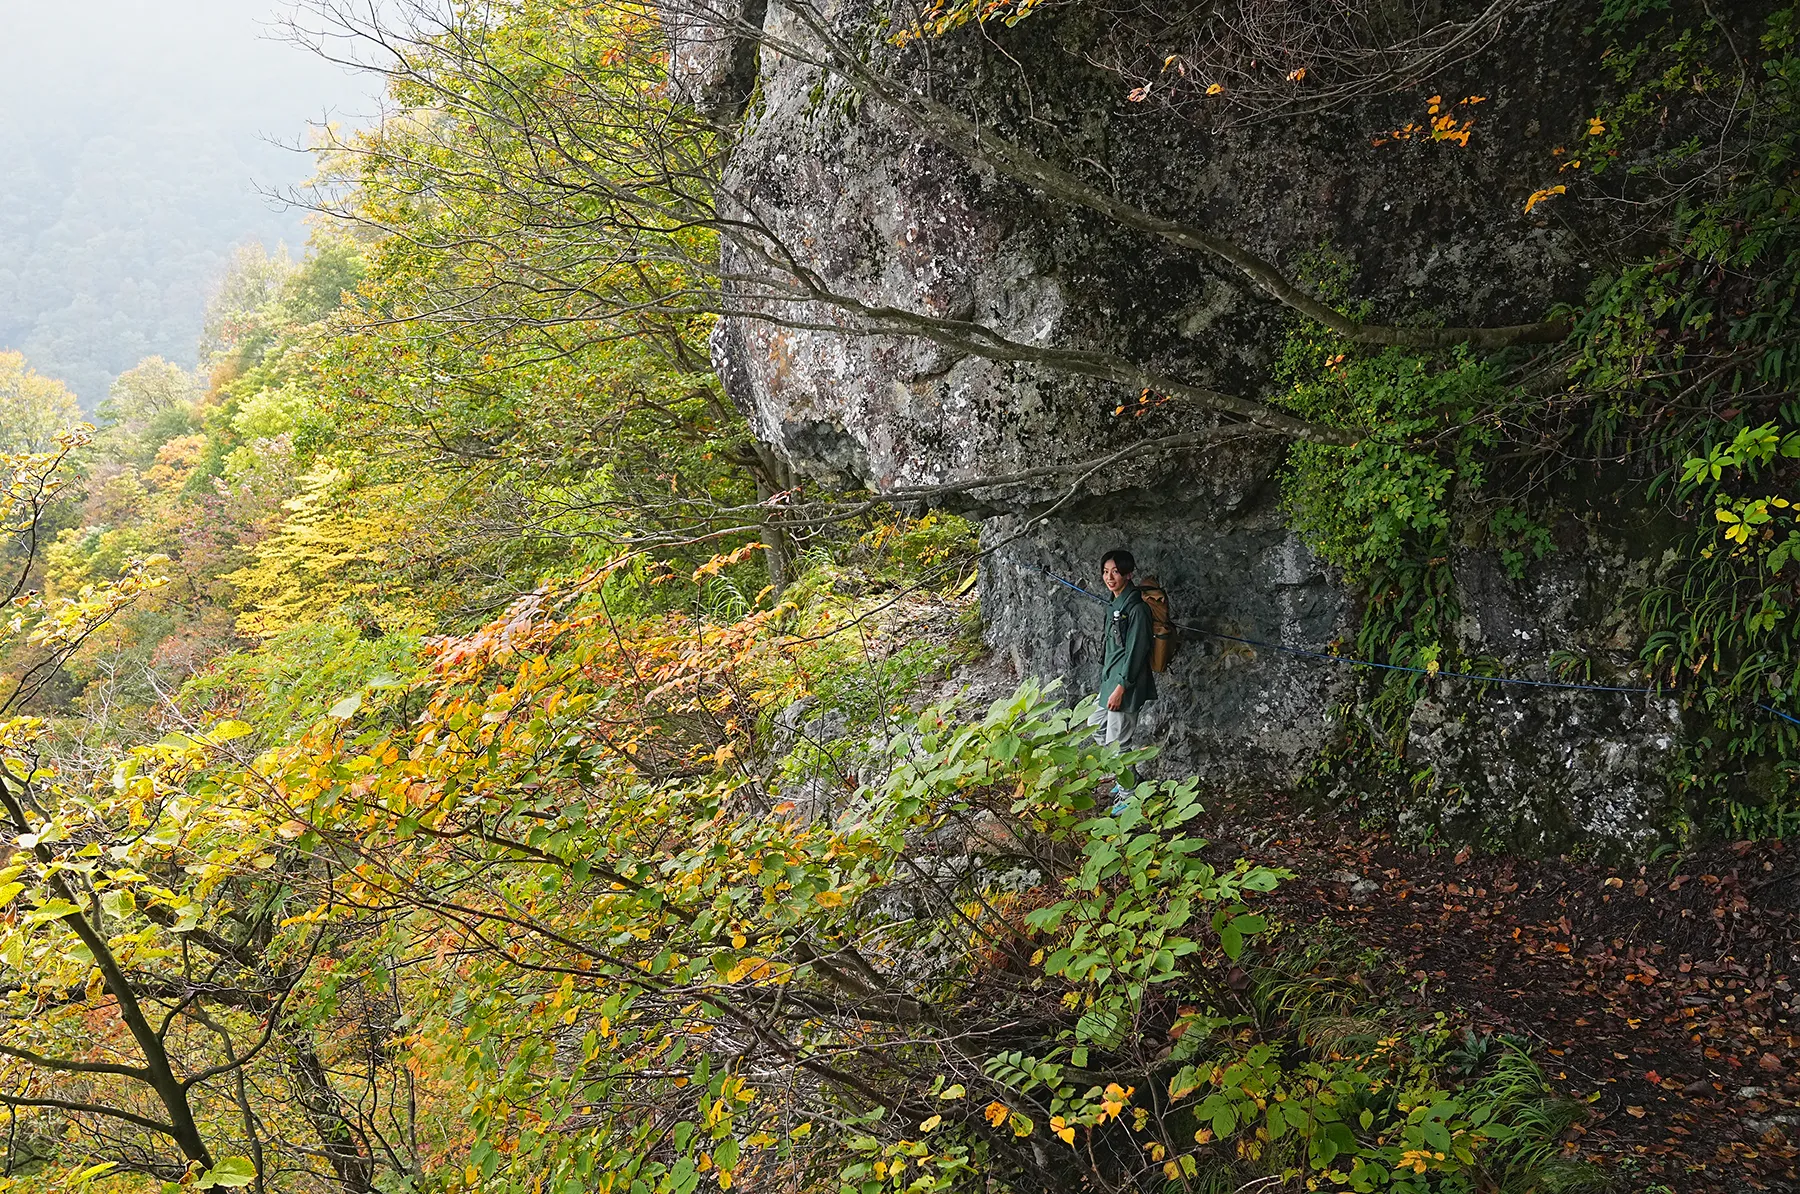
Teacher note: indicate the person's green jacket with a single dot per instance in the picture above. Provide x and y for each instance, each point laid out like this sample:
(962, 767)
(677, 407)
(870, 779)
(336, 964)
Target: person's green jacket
(1127, 634)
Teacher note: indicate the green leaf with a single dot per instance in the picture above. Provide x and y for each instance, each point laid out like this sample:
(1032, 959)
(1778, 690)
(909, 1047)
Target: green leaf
(1101, 1025)
(1263, 878)
(1232, 941)
(346, 708)
(230, 1172)
(54, 910)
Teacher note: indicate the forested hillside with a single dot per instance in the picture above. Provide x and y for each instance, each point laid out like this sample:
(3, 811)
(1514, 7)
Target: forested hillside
(546, 703)
(137, 145)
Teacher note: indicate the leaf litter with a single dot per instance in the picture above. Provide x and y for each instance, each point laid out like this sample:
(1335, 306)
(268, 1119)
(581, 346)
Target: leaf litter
(1661, 994)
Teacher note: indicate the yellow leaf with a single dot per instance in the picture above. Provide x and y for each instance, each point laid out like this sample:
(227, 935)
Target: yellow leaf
(829, 899)
(931, 1123)
(1596, 126)
(1215, 89)
(751, 967)
(952, 1092)
(1114, 1100)
(996, 1113)
(1538, 197)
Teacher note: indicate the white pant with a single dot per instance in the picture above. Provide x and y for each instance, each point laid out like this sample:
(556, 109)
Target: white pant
(1119, 725)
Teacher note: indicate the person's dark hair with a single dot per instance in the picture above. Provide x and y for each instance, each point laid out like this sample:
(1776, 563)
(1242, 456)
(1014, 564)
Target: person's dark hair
(1124, 560)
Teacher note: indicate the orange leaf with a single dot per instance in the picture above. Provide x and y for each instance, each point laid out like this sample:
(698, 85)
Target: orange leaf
(1538, 197)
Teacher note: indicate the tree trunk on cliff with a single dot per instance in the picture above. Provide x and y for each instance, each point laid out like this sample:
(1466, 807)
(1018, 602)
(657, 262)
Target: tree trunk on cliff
(344, 1147)
(773, 477)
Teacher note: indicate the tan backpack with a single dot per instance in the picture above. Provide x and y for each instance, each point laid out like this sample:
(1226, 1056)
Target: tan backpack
(1164, 634)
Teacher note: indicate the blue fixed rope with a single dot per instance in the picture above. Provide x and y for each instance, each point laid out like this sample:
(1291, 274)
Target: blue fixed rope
(1389, 667)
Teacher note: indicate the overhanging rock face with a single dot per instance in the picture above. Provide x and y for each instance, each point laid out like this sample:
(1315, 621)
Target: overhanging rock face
(1228, 710)
(889, 218)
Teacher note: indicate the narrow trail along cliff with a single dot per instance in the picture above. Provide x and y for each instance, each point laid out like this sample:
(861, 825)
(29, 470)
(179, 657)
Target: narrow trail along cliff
(1662, 996)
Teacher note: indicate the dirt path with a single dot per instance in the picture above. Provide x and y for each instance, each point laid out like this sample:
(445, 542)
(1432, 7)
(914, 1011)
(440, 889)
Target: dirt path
(1665, 993)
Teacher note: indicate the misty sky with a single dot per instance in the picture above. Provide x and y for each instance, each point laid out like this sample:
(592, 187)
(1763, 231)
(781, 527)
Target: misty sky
(120, 57)
(133, 137)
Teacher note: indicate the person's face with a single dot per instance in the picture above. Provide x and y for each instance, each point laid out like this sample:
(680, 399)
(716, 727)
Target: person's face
(1115, 580)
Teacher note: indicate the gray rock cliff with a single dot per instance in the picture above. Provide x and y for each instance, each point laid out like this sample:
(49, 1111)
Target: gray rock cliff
(1430, 231)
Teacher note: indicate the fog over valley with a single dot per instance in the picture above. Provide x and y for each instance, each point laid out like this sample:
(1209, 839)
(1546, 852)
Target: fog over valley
(136, 141)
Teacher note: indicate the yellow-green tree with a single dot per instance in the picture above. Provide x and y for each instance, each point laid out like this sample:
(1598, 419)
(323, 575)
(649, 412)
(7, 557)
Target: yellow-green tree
(335, 555)
(34, 409)
(149, 404)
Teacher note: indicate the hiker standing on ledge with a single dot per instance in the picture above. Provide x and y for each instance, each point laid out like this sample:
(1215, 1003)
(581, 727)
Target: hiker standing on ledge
(1126, 681)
